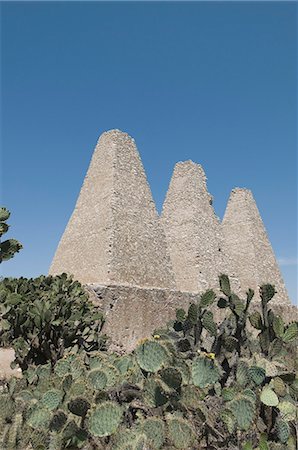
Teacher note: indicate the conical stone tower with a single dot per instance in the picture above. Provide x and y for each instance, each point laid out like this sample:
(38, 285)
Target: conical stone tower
(193, 230)
(114, 235)
(245, 239)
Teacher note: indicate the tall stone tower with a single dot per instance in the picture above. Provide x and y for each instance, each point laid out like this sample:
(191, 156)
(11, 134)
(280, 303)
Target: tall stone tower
(114, 235)
(245, 239)
(193, 230)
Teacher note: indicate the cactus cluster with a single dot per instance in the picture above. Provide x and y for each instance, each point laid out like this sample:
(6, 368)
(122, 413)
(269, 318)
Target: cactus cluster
(191, 385)
(42, 318)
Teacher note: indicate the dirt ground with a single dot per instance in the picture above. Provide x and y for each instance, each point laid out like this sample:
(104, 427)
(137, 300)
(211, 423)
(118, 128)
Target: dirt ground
(6, 357)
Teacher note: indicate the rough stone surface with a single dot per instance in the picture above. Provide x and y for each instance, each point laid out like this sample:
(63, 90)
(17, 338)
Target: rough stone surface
(193, 231)
(114, 235)
(246, 241)
(134, 313)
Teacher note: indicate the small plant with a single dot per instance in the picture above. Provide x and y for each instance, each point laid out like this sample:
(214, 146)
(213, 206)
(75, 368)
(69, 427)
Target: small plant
(9, 247)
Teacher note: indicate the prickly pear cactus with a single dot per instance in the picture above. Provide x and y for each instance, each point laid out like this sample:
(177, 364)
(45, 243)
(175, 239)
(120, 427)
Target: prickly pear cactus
(152, 356)
(204, 372)
(180, 432)
(104, 419)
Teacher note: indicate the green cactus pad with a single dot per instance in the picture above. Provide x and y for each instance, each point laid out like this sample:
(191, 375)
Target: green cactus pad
(256, 320)
(123, 364)
(104, 419)
(209, 324)
(278, 326)
(230, 343)
(96, 362)
(172, 377)
(112, 374)
(25, 395)
(204, 372)
(268, 397)
(251, 395)
(154, 429)
(44, 371)
(291, 333)
(67, 382)
(79, 406)
(52, 399)
(279, 386)
(180, 432)
(257, 374)
(229, 420)
(76, 369)
(192, 314)
(228, 393)
(267, 292)
(243, 410)
(288, 411)
(283, 431)
(77, 388)
(152, 394)
(242, 373)
(207, 298)
(224, 283)
(97, 378)
(152, 356)
(62, 367)
(191, 396)
(39, 418)
(58, 421)
(7, 407)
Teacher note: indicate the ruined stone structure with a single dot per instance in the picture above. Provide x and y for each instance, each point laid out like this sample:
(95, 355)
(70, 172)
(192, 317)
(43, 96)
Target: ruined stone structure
(138, 266)
(245, 239)
(193, 231)
(114, 235)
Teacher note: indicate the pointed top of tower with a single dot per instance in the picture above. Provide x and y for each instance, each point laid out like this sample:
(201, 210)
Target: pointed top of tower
(114, 235)
(246, 241)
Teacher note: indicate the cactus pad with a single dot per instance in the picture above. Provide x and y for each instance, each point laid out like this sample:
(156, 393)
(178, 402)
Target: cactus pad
(39, 418)
(283, 431)
(154, 429)
(180, 432)
(58, 421)
(268, 397)
(79, 406)
(62, 367)
(97, 378)
(104, 419)
(172, 377)
(52, 398)
(243, 410)
(204, 372)
(257, 374)
(152, 356)
(291, 333)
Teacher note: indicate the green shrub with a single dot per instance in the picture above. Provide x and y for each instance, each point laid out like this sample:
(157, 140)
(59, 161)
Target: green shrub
(45, 317)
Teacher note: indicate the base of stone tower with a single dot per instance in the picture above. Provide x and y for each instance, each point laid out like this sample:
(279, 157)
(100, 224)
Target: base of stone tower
(133, 313)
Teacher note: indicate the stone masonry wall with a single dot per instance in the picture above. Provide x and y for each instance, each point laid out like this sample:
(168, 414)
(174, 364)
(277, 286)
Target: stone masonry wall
(134, 313)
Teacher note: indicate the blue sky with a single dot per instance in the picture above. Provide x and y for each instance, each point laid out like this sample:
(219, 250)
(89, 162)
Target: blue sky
(211, 82)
